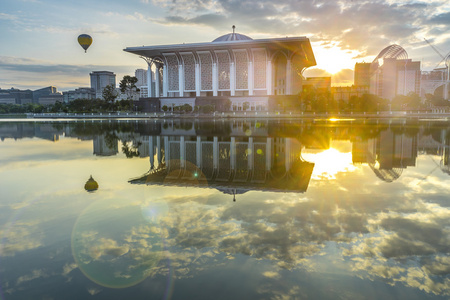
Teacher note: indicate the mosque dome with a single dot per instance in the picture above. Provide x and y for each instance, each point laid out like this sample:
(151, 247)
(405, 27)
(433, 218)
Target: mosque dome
(232, 37)
(91, 185)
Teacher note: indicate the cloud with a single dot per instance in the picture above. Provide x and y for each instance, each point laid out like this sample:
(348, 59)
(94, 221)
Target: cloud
(441, 19)
(69, 268)
(20, 237)
(9, 17)
(93, 291)
(37, 66)
(35, 274)
(363, 26)
(16, 70)
(271, 274)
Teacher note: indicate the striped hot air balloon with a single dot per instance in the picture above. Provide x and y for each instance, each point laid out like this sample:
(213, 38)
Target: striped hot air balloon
(85, 41)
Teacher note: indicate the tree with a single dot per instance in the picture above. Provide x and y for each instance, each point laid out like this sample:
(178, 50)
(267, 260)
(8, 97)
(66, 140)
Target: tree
(164, 108)
(245, 105)
(227, 105)
(128, 86)
(186, 108)
(206, 109)
(402, 102)
(436, 100)
(109, 93)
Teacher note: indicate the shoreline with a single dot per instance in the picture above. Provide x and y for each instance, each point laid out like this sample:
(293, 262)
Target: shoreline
(227, 115)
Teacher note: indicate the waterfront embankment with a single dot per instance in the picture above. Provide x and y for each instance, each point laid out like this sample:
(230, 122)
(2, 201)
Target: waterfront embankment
(239, 114)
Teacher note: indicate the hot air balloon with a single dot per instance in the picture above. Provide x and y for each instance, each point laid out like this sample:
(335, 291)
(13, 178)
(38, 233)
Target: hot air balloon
(85, 41)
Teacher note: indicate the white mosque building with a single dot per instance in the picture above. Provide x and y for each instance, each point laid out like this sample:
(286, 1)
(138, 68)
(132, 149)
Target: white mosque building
(233, 66)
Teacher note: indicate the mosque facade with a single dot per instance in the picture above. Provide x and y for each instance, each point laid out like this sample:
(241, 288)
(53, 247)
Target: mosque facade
(233, 66)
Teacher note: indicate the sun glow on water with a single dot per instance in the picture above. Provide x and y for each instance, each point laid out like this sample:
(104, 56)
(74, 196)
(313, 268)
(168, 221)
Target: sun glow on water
(329, 163)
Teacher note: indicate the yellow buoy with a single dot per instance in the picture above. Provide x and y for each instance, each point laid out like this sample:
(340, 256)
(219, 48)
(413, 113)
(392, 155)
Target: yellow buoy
(91, 185)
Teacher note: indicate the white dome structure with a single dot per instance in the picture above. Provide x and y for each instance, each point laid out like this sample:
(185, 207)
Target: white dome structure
(232, 37)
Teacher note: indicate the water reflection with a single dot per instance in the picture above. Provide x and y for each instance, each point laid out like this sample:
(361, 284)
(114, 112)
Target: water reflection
(322, 209)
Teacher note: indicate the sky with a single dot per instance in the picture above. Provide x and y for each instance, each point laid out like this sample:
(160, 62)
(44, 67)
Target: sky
(39, 37)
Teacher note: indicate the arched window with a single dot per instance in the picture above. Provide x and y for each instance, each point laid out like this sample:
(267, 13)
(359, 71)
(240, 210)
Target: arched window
(241, 69)
(172, 72)
(189, 71)
(205, 71)
(223, 59)
(259, 67)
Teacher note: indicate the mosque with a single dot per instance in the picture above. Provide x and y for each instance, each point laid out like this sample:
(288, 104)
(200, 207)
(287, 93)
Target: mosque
(233, 72)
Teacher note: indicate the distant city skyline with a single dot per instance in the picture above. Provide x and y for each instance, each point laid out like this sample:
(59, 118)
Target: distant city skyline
(42, 48)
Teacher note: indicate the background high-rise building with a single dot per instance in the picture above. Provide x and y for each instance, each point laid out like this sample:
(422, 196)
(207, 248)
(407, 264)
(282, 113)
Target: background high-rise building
(392, 73)
(44, 92)
(362, 75)
(141, 76)
(80, 93)
(100, 79)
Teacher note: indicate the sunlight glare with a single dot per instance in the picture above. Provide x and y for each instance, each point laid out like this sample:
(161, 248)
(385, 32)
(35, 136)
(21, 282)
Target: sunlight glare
(333, 59)
(329, 162)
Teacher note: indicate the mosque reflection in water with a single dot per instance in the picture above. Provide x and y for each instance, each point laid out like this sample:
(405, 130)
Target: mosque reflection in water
(255, 155)
(258, 156)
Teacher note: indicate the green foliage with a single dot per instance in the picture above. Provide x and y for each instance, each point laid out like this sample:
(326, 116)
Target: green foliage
(186, 108)
(109, 93)
(24, 108)
(316, 99)
(128, 85)
(130, 149)
(227, 105)
(409, 102)
(436, 100)
(206, 109)
(164, 108)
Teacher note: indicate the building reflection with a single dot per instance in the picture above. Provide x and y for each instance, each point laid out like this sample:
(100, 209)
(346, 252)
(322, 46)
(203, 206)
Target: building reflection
(104, 147)
(231, 164)
(236, 153)
(387, 154)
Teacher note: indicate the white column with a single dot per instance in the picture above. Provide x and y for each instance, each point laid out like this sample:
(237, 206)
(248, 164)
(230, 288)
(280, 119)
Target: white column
(269, 78)
(288, 77)
(182, 156)
(233, 153)
(250, 153)
(447, 83)
(197, 80)
(165, 81)
(215, 152)
(268, 154)
(446, 90)
(157, 81)
(199, 152)
(232, 79)
(287, 152)
(181, 80)
(167, 151)
(150, 151)
(250, 78)
(158, 150)
(215, 79)
(149, 80)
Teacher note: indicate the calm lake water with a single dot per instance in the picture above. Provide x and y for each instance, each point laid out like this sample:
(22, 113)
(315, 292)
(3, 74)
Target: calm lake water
(261, 209)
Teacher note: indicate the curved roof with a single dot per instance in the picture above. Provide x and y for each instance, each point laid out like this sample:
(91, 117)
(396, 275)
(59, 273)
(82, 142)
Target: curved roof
(232, 37)
(391, 51)
(388, 175)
